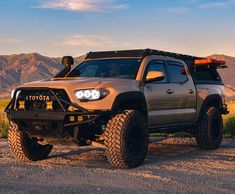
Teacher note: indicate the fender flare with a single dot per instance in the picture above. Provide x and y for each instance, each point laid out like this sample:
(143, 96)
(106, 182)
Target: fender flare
(209, 100)
(129, 96)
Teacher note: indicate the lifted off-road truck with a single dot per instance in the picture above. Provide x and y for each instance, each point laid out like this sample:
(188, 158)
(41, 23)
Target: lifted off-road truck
(114, 100)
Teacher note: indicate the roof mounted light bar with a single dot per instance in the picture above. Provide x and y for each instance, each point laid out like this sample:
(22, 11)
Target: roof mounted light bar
(210, 61)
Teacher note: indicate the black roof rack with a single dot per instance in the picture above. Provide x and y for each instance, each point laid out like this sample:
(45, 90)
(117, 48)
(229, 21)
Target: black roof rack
(138, 53)
(120, 53)
(141, 53)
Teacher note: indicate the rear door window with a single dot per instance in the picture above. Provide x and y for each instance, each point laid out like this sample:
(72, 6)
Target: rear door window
(177, 72)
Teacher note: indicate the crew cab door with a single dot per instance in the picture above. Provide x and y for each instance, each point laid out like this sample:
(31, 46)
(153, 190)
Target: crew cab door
(160, 103)
(183, 92)
(170, 101)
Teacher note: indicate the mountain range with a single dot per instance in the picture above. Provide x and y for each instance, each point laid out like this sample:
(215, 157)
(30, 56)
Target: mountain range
(21, 68)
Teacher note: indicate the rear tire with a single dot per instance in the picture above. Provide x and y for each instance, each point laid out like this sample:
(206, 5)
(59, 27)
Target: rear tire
(209, 132)
(25, 148)
(126, 139)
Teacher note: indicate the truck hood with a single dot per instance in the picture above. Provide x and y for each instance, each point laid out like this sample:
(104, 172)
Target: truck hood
(79, 83)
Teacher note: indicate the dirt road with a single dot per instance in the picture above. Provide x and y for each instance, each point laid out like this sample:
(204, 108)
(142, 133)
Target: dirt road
(172, 166)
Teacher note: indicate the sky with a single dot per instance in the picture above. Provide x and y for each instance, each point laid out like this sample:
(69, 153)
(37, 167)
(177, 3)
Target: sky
(74, 27)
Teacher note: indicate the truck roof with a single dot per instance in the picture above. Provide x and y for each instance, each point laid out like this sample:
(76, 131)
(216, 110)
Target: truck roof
(137, 53)
(141, 53)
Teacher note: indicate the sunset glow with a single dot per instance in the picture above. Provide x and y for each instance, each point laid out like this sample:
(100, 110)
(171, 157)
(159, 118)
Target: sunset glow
(56, 28)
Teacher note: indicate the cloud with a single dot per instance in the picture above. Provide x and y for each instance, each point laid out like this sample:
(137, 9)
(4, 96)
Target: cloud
(10, 40)
(177, 10)
(83, 5)
(218, 4)
(88, 41)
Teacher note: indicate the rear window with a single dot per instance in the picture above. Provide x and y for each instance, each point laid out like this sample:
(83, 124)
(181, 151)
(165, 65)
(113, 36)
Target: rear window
(206, 73)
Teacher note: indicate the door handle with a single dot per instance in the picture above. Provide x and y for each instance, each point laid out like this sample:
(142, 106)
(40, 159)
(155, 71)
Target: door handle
(190, 91)
(169, 91)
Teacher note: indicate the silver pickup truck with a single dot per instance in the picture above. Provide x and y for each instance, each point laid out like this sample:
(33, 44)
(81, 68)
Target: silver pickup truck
(114, 99)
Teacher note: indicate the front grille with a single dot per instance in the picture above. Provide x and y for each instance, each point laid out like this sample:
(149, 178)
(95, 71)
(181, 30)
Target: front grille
(42, 99)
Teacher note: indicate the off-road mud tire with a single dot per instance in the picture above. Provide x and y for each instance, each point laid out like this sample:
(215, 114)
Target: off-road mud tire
(25, 148)
(126, 139)
(209, 131)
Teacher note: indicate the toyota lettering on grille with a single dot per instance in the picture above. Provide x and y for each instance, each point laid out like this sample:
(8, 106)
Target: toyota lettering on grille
(37, 98)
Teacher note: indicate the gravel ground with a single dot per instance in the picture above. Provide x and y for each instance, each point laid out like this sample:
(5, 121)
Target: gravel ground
(172, 166)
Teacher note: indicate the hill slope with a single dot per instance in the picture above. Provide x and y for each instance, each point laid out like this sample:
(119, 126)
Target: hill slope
(18, 69)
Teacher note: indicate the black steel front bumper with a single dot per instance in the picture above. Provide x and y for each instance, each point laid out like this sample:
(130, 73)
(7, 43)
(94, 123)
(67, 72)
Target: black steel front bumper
(35, 115)
(47, 115)
(51, 123)
(52, 116)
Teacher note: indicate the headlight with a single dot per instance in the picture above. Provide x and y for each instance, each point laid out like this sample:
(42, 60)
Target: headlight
(88, 95)
(12, 93)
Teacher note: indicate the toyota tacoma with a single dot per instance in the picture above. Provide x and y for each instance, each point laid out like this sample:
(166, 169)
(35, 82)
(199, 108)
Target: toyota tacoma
(114, 100)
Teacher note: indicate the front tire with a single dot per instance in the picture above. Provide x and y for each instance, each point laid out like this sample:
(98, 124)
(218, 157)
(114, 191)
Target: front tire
(25, 148)
(209, 132)
(126, 139)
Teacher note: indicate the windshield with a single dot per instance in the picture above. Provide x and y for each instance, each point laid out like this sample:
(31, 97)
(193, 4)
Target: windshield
(107, 68)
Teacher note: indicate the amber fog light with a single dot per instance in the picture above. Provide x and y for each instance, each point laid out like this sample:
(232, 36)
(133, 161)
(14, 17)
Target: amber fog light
(49, 105)
(21, 105)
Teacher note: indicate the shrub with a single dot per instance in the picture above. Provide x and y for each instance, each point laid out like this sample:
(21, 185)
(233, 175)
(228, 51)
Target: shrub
(231, 107)
(4, 124)
(3, 103)
(229, 126)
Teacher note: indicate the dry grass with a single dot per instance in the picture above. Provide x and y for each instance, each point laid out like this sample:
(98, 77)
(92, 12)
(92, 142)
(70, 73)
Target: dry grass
(3, 124)
(3, 103)
(229, 126)
(231, 107)
(3, 119)
(229, 120)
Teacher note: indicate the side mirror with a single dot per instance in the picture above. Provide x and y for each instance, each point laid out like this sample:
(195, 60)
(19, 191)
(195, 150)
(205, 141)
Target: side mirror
(67, 61)
(155, 76)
